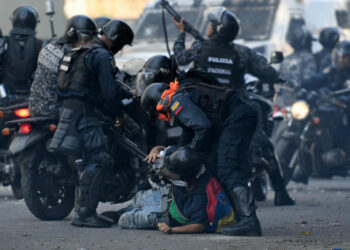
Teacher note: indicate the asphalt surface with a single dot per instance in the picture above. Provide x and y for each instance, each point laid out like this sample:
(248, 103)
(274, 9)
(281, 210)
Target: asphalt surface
(320, 220)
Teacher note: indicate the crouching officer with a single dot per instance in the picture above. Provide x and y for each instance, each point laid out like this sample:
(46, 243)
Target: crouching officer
(87, 82)
(206, 112)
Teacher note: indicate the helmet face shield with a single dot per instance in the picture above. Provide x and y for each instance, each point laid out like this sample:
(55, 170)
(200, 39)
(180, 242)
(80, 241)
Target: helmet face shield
(341, 55)
(214, 14)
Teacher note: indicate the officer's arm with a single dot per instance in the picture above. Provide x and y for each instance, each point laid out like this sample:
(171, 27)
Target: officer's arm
(182, 55)
(193, 117)
(258, 66)
(111, 91)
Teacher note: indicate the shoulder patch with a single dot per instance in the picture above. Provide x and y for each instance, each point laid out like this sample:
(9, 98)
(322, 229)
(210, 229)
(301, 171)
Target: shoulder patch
(176, 108)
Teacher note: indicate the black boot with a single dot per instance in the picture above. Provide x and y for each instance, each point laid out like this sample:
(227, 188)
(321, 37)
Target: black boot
(88, 198)
(282, 197)
(248, 224)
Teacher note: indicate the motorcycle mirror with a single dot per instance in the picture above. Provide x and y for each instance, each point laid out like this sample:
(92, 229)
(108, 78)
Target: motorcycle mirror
(3, 93)
(276, 57)
(49, 8)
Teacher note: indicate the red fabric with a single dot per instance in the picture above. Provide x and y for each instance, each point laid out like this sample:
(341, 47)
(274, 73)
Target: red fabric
(213, 189)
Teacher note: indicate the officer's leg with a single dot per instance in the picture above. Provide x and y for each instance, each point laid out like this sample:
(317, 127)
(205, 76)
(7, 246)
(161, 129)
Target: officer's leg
(90, 179)
(233, 172)
(282, 197)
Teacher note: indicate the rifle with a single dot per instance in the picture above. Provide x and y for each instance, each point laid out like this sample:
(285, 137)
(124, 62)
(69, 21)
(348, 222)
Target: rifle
(129, 146)
(188, 27)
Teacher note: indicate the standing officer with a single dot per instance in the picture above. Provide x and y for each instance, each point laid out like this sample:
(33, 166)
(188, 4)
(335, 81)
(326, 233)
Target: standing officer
(301, 64)
(218, 55)
(87, 82)
(43, 100)
(20, 53)
(329, 37)
(206, 112)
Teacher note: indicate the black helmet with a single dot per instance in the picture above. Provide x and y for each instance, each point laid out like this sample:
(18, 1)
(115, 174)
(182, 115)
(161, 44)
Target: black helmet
(301, 39)
(226, 24)
(329, 37)
(25, 18)
(185, 162)
(342, 50)
(101, 21)
(80, 26)
(151, 96)
(157, 69)
(119, 33)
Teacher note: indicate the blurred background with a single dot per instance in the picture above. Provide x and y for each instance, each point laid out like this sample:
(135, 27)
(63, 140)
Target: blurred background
(125, 9)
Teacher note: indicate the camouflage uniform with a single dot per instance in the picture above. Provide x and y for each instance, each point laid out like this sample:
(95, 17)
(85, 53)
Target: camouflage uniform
(249, 61)
(43, 99)
(298, 67)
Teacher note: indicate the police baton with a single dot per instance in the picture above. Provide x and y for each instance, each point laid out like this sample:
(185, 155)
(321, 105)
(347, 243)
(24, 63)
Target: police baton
(50, 11)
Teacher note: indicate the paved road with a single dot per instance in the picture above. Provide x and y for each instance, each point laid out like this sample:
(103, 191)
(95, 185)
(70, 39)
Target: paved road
(321, 220)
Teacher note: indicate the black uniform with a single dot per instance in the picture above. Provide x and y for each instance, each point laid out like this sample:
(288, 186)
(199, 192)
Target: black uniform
(323, 59)
(227, 61)
(331, 77)
(87, 81)
(203, 129)
(18, 62)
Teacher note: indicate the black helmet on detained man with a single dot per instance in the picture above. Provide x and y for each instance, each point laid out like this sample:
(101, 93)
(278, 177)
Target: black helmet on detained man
(185, 162)
(157, 69)
(80, 27)
(341, 55)
(329, 37)
(101, 21)
(24, 20)
(301, 39)
(150, 98)
(119, 33)
(226, 24)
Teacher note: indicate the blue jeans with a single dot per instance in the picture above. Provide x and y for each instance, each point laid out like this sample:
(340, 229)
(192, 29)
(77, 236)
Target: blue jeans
(149, 207)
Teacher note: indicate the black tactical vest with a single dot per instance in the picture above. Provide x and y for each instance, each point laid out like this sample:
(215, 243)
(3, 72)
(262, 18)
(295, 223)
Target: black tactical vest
(75, 79)
(221, 60)
(19, 63)
(213, 100)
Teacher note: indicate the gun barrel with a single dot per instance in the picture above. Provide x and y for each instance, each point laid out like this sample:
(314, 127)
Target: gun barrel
(188, 27)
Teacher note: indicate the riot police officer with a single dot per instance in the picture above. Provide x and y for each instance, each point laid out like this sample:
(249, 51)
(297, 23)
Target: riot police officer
(205, 112)
(87, 82)
(300, 65)
(20, 52)
(225, 60)
(43, 100)
(228, 63)
(329, 37)
(335, 77)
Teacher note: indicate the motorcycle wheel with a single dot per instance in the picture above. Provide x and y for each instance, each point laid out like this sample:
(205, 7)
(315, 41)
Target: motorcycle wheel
(17, 189)
(45, 197)
(259, 186)
(285, 149)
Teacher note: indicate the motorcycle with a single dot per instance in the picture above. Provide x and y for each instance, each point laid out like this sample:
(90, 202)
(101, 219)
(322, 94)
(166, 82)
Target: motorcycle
(9, 165)
(308, 146)
(48, 179)
(258, 96)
